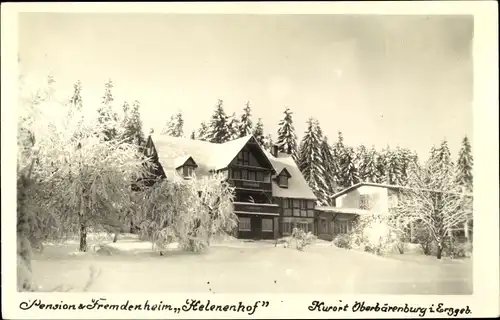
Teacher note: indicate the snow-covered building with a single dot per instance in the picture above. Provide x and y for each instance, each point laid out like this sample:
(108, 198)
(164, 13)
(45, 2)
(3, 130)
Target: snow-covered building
(364, 198)
(271, 195)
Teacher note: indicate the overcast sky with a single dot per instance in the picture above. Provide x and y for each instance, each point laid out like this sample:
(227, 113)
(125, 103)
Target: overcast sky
(381, 80)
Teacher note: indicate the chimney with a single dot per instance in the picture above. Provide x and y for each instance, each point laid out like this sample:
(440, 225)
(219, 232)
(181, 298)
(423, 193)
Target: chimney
(274, 151)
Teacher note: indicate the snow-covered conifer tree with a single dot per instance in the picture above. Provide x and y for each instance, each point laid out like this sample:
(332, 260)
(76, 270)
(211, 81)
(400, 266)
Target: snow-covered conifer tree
(234, 127)
(368, 166)
(338, 150)
(394, 167)
(361, 153)
(348, 170)
(258, 132)
(268, 142)
(245, 124)
(219, 131)
(106, 115)
(287, 139)
(174, 127)
(330, 167)
(464, 165)
(203, 132)
(311, 161)
(382, 159)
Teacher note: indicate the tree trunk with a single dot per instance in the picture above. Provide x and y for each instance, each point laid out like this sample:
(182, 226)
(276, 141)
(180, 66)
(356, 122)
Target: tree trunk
(24, 252)
(439, 250)
(412, 232)
(115, 238)
(83, 237)
(466, 230)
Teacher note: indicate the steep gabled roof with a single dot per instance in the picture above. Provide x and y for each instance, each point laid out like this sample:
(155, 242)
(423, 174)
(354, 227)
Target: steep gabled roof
(214, 156)
(227, 152)
(285, 172)
(297, 185)
(181, 161)
(170, 149)
(208, 156)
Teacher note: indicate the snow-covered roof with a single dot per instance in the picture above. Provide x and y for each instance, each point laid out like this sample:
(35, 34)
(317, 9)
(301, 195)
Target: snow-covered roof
(215, 156)
(170, 149)
(381, 185)
(297, 185)
(180, 161)
(356, 211)
(285, 172)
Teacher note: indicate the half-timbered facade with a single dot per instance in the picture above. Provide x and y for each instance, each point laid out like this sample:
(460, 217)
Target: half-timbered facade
(271, 195)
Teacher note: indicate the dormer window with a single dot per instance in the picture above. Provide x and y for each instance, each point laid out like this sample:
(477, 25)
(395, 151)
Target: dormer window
(283, 177)
(283, 181)
(186, 167)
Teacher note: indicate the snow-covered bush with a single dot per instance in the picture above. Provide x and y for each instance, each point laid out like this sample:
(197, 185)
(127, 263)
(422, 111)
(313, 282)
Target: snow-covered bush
(423, 237)
(188, 212)
(458, 250)
(378, 233)
(302, 239)
(286, 241)
(342, 241)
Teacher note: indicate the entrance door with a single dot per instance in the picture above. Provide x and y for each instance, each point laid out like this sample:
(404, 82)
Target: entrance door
(257, 227)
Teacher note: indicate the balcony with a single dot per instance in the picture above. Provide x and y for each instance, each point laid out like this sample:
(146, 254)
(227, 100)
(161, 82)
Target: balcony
(251, 184)
(256, 208)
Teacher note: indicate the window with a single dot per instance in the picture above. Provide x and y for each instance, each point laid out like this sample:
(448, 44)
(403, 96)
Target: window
(244, 224)
(323, 226)
(303, 204)
(286, 203)
(287, 211)
(251, 175)
(186, 171)
(342, 227)
(243, 158)
(267, 177)
(287, 228)
(306, 227)
(296, 207)
(236, 174)
(244, 174)
(310, 204)
(365, 202)
(303, 208)
(267, 225)
(310, 213)
(283, 181)
(260, 176)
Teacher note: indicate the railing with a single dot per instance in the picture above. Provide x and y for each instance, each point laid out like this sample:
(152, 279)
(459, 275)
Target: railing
(251, 184)
(256, 207)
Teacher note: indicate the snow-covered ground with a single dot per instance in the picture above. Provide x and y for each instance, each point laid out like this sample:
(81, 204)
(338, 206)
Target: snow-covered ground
(236, 266)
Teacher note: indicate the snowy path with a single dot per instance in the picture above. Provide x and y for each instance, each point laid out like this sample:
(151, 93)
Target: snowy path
(250, 268)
